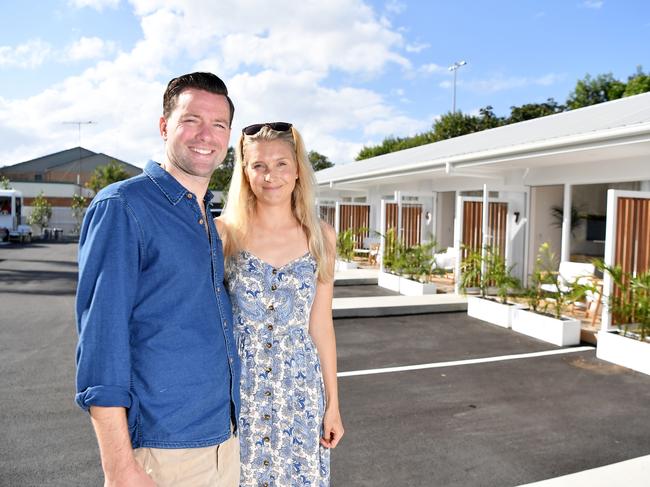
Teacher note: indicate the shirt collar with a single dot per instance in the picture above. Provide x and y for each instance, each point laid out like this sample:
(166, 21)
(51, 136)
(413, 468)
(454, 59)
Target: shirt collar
(168, 185)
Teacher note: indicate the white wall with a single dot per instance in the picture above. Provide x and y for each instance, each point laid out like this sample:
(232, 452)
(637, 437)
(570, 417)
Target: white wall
(445, 219)
(542, 224)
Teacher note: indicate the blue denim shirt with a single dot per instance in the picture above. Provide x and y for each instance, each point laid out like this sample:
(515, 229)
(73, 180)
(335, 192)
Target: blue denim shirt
(153, 315)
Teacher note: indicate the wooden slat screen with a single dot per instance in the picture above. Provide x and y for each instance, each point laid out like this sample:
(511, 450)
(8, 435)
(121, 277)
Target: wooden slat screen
(473, 225)
(354, 217)
(411, 222)
(632, 251)
(327, 213)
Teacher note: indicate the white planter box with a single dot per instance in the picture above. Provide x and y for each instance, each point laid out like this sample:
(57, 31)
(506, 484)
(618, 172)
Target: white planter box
(491, 311)
(563, 332)
(388, 281)
(344, 265)
(408, 287)
(624, 351)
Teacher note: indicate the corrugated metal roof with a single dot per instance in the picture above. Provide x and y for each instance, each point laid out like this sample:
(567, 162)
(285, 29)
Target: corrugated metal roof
(43, 164)
(617, 114)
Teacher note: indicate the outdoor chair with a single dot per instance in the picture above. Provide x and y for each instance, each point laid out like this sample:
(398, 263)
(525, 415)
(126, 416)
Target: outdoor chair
(570, 273)
(445, 261)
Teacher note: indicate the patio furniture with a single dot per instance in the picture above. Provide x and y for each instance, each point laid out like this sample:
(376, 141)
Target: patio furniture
(446, 261)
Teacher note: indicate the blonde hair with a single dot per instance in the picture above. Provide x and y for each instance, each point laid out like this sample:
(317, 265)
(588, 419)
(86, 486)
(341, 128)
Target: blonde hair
(241, 201)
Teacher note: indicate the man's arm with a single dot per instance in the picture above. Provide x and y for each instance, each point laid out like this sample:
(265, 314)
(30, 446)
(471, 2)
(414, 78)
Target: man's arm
(120, 467)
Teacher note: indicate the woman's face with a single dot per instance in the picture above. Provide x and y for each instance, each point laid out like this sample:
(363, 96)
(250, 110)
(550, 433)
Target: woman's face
(271, 170)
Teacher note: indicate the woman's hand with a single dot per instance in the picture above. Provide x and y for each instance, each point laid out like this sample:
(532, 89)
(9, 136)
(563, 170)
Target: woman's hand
(332, 428)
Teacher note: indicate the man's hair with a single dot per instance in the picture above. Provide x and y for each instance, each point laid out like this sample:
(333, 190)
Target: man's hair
(200, 81)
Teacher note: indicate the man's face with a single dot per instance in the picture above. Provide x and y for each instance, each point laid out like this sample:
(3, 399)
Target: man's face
(196, 133)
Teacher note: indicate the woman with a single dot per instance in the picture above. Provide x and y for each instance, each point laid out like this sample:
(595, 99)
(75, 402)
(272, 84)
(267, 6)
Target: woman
(280, 273)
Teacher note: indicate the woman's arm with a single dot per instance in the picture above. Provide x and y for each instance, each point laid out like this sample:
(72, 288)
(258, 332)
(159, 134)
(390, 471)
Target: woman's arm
(321, 329)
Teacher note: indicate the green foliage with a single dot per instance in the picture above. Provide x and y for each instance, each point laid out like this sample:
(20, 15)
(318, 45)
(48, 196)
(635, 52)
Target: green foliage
(500, 275)
(319, 161)
(563, 292)
(630, 304)
(637, 83)
(41, 211)
(530, 111)
(394, 144)
(220, 179)
(496, 274)
(413, 262)
(78, 207)
(107, 174)
(591, 91)
(577, 217)
(5, 183)
(471, 275)
(345, 245)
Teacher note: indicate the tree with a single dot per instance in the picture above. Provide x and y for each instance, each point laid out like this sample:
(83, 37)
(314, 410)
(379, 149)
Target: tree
(637, 83)
(534, 110)
(78, 208)
(41, 211)
(319, 161)
(107, 174)
(452, 125)
(220, 180)
(591, 91)
(5, 183)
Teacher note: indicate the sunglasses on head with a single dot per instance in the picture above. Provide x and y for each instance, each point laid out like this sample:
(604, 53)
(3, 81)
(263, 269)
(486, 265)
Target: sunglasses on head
(256, 127)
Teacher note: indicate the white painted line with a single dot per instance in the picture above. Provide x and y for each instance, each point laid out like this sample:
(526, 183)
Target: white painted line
(456, 363)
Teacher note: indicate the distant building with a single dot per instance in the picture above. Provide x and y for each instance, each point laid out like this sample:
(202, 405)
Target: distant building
(59, 176)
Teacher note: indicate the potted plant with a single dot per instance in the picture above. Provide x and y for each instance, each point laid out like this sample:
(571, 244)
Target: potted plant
(629, 305)
(407, 270)
(345, 244)
(537, 321)
(497, 277)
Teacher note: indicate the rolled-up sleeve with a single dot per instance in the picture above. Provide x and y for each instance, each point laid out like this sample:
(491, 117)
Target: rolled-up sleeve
(109, 263)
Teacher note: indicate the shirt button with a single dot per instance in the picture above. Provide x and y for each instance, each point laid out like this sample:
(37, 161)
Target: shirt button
(232, 360)
(218, 289)
(269, 327)
(268, 345)
(200, 221)
(274, 287)
(189, 196)
(225, 324)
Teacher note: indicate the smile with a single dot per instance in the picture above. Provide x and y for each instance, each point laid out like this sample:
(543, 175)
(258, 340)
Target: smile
(204, 152)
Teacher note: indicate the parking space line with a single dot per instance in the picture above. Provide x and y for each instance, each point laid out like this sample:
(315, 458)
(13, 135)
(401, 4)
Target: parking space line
(474, 361)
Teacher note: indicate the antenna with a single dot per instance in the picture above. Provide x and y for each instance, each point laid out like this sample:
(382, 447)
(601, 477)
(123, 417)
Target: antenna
(79, 123)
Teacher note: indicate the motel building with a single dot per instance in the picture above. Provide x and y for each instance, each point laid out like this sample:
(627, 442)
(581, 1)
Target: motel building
(512, 187)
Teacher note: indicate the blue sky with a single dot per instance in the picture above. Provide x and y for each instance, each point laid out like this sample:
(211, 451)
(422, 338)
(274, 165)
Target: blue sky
(347, 72)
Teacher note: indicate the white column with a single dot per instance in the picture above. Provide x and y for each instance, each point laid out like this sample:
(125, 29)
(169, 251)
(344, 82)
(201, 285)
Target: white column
(565, 254)
(485, 228)
(458, 225)
(382, 241)
(337, 218)
(610, 248)
(399, 235)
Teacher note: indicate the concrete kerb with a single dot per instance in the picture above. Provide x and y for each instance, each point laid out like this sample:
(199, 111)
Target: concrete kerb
(397, 305)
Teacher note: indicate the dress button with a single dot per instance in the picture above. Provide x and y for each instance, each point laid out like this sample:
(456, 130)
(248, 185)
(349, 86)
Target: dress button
(268, 345)
(267, 393)
(274, 287)
(269, 327)
(274, 271)
(266, 463)
(271, 307)
(267, 417)
(265, 484)
(267, 439)
(268, 370)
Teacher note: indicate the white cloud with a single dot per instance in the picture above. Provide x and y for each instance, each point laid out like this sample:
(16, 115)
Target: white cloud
(395, 6)
(31, 54)
(431, 68)
(277, 60)
(501, 83)
(595, 4)
(89, 48)
(417, 47)
(98, 5)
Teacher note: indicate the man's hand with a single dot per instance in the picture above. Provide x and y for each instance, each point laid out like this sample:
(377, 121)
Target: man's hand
(131, 476)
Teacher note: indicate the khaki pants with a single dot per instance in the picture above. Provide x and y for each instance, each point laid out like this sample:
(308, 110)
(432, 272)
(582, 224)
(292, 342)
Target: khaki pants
(214, 466)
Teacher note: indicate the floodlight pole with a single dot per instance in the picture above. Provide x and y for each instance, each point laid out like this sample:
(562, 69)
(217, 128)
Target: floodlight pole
(454, 67)
(79, 123)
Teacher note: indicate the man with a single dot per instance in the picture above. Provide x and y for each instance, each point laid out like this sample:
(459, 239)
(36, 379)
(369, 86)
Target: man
(157, 365)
